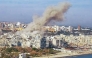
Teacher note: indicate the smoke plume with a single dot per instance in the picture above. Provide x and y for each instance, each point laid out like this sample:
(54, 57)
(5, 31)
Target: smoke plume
(51, 13)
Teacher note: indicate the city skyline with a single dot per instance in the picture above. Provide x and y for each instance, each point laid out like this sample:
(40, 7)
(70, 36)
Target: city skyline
(23, 10)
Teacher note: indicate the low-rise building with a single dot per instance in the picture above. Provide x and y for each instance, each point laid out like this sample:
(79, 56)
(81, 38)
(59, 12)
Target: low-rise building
(22, 55)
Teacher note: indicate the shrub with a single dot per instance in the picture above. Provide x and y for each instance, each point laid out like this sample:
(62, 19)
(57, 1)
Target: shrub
(11, 50)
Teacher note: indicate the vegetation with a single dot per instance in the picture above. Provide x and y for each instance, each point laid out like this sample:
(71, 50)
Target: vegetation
(11, 50)
(14, 52)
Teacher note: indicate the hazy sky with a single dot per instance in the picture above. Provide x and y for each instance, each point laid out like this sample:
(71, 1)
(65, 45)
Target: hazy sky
(80, 12)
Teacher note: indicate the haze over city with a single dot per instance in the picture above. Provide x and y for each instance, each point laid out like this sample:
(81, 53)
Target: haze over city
(45, 28)
(23, 11)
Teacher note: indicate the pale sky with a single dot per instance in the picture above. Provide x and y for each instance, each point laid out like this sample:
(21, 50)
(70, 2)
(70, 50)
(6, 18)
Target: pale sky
(80, 13)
